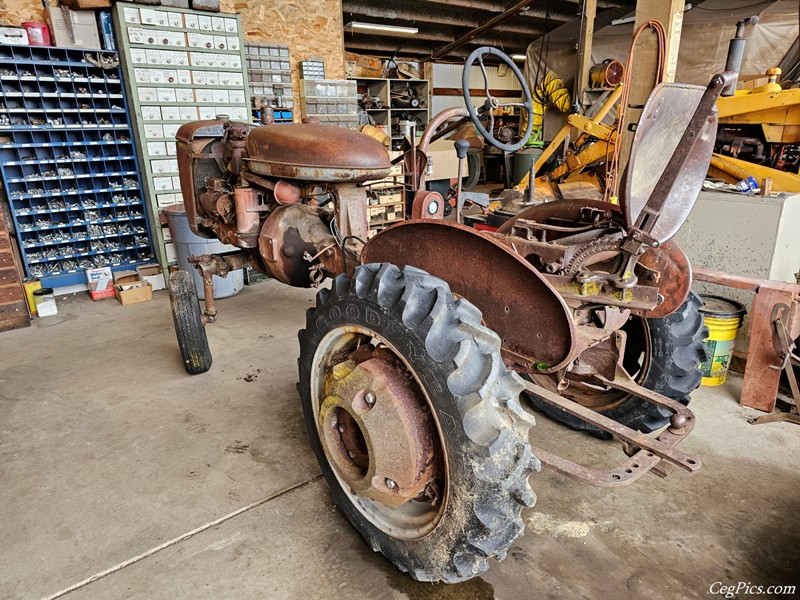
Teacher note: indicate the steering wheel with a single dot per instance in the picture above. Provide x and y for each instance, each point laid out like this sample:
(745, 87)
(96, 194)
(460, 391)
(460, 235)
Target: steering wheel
(492, 102)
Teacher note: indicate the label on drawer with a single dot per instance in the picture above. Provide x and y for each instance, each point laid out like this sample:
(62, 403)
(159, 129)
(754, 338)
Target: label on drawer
(220, 95)
(199, 77)
(157, 148)
(162, 184)
(153, 131)
(233, 43)
(236, 96)
(151, 113)
(217, 24)
(167, 95)
(175, 19)
(207, 112)
(203, 95)
(170, 113)
(204, 22)
(212, 78)
(148, 16)
(184, 77)
(153, 57)
(220, 42)
(184, 95)
(170, 130)
(141, 75)
(160, 166)
(147, 94)
(231, 26)
(191, 21)
(138, 56)
(131, 15)
(136, 35)
(188, 113)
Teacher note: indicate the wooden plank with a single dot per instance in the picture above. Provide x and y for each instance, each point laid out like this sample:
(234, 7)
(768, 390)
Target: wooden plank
(10, 294)
(585, 48)
(9, 275)
(477, 92)
(15, 323)
(643, 72)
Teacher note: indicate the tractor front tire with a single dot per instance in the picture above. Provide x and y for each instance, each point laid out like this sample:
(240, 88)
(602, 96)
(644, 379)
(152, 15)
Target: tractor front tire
(188, 320)
(437, 345)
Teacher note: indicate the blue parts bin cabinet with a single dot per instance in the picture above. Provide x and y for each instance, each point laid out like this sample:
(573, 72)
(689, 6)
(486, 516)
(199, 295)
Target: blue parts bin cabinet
(68, 163)
(180, 65)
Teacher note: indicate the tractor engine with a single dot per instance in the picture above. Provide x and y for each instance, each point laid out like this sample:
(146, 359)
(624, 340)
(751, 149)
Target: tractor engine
(287, 195)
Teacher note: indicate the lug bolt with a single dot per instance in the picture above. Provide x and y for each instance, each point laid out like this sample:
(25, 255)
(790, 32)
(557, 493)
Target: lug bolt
(351, 454)
(390, 484)
(369, 398)
(341, 429)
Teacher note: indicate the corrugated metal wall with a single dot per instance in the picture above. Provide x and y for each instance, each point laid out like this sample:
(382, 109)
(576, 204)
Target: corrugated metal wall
(449, 76)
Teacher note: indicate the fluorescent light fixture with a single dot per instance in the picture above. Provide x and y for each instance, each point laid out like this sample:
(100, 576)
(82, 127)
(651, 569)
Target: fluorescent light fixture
(390, 29)
(518, 57)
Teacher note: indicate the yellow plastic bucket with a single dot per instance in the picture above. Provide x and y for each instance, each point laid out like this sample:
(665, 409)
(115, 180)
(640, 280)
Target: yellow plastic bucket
(30, 287)
(724, 319)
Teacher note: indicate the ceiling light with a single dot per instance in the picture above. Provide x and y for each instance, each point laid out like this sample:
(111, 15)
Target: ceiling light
(518, 57)
(390, 29)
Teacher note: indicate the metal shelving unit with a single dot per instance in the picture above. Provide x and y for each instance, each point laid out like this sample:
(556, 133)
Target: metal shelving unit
(180, 65)
(68, 163)
(270, 75)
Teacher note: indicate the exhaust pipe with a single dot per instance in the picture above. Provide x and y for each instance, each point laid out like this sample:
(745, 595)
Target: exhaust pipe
(736, 52)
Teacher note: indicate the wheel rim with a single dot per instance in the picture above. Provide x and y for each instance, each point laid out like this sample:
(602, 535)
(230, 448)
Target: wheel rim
(379, 432)
(636, 362)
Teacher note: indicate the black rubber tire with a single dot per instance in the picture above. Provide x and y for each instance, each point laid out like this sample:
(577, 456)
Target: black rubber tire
(676, 351)
(473, 169)
(189, 327)
(475, 399)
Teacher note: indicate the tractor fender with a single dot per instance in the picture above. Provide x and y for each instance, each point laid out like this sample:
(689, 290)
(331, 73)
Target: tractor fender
(531, 318)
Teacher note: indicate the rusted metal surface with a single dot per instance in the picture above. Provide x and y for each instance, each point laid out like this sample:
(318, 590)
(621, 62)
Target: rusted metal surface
(667, 170)
(424, 203)
(315, 152)
(377, 431)
(248, 215)
(674, 277)
(661, 447)
(564, 210)
(640, 299)
(517, 303)
(760, 385)
(217, 264)
(289, 234)
(352, 216)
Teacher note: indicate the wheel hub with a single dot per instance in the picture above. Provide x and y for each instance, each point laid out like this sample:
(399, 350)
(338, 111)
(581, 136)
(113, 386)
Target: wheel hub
(377, 430)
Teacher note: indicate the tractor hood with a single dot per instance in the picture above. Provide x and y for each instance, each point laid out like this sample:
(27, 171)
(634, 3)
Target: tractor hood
(316, 152)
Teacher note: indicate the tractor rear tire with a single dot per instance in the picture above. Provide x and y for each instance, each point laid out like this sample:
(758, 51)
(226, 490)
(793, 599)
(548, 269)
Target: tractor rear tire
(463, 386)
(675, 351)
(188, 320)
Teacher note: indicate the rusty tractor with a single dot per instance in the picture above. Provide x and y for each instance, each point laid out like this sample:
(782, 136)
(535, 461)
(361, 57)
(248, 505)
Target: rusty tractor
(421, 360)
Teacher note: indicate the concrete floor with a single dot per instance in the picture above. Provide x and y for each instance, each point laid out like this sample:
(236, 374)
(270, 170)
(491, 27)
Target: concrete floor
(111, 457)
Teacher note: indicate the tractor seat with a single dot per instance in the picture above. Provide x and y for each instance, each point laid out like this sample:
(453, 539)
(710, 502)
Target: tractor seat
(314, 152)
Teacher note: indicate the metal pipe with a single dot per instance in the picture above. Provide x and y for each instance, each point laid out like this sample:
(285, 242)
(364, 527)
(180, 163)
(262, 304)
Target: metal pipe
(736, 53)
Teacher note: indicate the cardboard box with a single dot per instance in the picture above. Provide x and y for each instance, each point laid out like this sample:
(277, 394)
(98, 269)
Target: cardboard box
(101, 283)
(78, 4)
(84, 26)
(358, 65)
(133, 292)
(442, 153)
(129, 276)
(153, 275)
